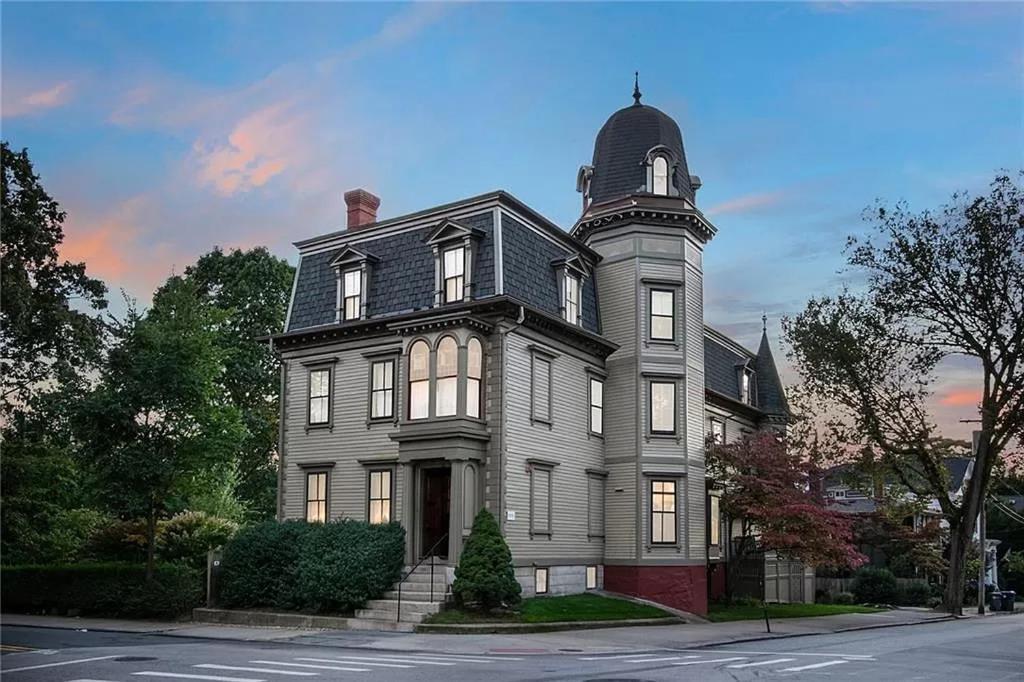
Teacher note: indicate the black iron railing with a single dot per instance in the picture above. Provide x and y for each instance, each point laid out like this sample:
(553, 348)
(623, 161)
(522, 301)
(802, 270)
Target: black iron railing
(430, 554)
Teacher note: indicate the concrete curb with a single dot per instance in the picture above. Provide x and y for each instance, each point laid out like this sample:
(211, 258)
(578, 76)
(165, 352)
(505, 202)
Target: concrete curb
(269, 619)
(525, 628)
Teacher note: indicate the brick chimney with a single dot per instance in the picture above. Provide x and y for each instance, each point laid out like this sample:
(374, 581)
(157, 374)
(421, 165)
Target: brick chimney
(362, 208)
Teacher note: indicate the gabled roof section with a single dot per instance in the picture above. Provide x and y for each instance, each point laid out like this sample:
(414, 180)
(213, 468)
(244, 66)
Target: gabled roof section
(450, 229)
(771, 396)
(575, 262)
(349, 255)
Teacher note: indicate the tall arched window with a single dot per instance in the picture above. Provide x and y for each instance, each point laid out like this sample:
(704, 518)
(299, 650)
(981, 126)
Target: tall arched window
(419, 380)
(660, 172)
(446, 401)
(474, 373)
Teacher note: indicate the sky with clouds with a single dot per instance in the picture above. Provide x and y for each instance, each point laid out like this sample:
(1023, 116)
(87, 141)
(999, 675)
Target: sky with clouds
(167, 128)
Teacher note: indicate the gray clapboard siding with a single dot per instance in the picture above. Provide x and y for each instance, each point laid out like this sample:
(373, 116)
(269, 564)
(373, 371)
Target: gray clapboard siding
(616, 287)
(565, 442)
(694, 389)
(620, 511)
(348, 441)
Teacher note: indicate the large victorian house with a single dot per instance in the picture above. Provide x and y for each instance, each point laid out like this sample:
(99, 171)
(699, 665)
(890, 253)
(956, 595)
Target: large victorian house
(477, 355)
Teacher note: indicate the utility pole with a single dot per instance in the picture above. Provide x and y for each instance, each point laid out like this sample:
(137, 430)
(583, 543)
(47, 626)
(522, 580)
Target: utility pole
(976, 436)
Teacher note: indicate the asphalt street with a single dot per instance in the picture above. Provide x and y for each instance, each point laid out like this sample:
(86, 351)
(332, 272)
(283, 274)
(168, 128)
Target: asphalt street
(977, 649)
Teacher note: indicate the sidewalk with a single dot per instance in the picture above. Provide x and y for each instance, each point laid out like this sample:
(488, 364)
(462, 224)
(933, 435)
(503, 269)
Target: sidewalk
(588, 641)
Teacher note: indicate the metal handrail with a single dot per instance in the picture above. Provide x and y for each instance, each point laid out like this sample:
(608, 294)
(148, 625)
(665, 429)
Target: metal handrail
(430, 553)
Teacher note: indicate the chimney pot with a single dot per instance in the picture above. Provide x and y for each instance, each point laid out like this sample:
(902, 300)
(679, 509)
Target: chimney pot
(362, 208)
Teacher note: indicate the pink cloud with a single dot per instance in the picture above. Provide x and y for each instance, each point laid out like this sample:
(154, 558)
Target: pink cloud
(262, 145)
(119, 247)
(750, 203)
(34, 101)
(961, 397)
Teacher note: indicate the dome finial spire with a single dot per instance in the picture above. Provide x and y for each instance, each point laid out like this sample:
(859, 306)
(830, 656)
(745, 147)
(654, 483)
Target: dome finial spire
(636, 88)
(764, 322)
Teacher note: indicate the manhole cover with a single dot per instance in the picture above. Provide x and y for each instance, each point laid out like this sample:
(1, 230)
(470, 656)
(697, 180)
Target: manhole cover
(134, 659)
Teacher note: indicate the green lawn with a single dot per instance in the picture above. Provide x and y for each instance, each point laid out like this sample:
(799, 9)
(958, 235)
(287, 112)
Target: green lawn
(719, 613)
(557, 609)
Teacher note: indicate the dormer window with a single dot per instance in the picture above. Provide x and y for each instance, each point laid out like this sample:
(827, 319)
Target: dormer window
(454, 247)
(352, 294)
(570, 272)
(747, 386)
(454, 276)
(571, 304)
(352, 269)
(660, 175)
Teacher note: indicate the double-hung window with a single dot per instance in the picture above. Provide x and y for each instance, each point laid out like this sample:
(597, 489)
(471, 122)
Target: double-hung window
(715, 520)
(419, 380)
(596, 406)
(352, 294)
(717, 432)
(380, 496)
(319, 396)
(663, 407)
(453, 275)
(746, 387)
(663, 512)
(316, 496)
(571, 305)
(382, 389)
(663, 303)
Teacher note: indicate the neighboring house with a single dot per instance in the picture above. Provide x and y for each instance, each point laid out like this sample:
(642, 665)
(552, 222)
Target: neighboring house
(477, 355)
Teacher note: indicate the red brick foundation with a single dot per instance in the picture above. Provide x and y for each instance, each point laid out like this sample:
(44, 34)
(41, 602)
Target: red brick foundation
(681, 587)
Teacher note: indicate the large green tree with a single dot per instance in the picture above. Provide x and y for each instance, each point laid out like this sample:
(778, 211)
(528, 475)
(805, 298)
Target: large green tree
(250, 290)
(51, 338)
(936, 285)
(49, 328)
(157, 426)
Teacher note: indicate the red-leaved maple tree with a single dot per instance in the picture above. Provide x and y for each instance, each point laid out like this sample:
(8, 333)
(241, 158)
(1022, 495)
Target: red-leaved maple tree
(772, 504)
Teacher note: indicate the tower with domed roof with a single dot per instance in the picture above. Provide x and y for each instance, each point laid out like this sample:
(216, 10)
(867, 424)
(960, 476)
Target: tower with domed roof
(640, 215)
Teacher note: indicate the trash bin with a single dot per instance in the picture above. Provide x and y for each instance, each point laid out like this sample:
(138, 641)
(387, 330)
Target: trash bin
(1009, 597)
(995, 601)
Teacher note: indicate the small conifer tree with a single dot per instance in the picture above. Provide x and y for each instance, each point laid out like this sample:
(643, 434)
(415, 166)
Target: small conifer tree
(485, 578)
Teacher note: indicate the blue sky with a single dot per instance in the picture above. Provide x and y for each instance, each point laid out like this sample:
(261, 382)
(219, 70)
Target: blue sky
(165, 129)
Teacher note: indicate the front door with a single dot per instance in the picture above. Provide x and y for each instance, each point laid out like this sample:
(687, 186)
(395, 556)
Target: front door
(435, 510)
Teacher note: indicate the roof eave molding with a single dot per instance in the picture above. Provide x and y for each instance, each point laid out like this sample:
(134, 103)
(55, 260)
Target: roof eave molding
(649, 210)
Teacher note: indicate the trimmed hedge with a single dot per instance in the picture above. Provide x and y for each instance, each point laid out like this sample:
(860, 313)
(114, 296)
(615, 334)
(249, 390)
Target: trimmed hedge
(875, 586)
(914, 594)
(319, 567)
(102, 589)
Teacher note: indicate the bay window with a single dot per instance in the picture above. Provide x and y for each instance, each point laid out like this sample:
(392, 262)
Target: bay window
(663, 407)
(474, 376)
(419, 380)
(663, 512)
(446, 401)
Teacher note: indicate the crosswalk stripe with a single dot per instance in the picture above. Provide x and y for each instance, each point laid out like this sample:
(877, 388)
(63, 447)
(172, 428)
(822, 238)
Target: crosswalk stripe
(657, 660)
(757, 663)
(609, 658)
(217, 666)
(394, 659)
(462, 659)
(714, 660)
(318, 667)
(54, 665)
(812, 666)
(353, 662)
(188, 676)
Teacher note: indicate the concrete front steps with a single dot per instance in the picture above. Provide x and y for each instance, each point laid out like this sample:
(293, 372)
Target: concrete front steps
(416, 605)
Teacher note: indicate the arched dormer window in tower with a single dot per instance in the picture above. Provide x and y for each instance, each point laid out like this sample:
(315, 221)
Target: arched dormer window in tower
(352, 271)
(454, 248)
(661, 165)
